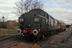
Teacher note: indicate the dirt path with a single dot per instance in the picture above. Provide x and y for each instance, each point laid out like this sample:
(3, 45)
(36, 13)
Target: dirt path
(61, 40)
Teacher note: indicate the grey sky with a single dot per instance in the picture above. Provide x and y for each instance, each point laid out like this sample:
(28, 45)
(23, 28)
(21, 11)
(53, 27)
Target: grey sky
(59, 9)
(6, 9)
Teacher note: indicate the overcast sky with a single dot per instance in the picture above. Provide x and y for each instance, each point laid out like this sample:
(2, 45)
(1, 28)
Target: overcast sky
(59, 9)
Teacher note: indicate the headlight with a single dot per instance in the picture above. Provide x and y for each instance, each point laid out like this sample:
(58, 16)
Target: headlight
(19, 30)
(35, 32)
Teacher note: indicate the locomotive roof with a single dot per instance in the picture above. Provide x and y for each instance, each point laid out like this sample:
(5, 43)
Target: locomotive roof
(37, 12)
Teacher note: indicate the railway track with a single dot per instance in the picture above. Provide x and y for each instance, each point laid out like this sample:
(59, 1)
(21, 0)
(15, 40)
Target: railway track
(6, 41)
(14, 42)
(61, 40)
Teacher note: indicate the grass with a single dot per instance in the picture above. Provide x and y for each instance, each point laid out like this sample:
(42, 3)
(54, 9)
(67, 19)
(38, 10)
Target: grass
(5, 32)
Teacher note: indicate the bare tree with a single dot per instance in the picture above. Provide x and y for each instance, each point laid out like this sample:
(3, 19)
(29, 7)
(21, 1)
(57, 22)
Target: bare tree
(23, 6)
(32, 4)
(19, 7)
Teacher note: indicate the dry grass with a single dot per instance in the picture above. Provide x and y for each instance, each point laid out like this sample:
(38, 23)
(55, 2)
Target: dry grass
(4, 32)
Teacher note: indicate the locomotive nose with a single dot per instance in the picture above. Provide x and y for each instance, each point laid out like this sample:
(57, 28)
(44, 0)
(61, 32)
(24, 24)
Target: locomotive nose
(35, 32)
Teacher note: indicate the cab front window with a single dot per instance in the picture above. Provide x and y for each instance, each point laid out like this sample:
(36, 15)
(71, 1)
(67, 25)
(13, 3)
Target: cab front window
(21, 20)
(36, 19)
(36, 22)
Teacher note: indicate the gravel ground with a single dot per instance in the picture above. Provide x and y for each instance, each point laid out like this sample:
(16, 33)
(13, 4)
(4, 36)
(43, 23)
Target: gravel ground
(15, 42)
(54, 42)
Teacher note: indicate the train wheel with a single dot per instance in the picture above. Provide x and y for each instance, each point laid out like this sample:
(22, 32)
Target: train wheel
(20, 37)
(38, 37)
(43, 37)
(45, 34)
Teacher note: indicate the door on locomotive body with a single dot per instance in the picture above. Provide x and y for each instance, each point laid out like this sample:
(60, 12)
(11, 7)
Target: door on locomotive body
(44, 25)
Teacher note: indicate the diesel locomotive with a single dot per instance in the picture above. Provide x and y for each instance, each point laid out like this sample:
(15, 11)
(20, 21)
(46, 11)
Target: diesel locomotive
(37, 24)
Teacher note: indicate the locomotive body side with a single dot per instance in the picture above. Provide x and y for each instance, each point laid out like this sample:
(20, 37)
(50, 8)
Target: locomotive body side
(37, 24)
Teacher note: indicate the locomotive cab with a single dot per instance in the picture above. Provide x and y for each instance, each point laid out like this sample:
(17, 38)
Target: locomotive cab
(29, 26)
(32, 26)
